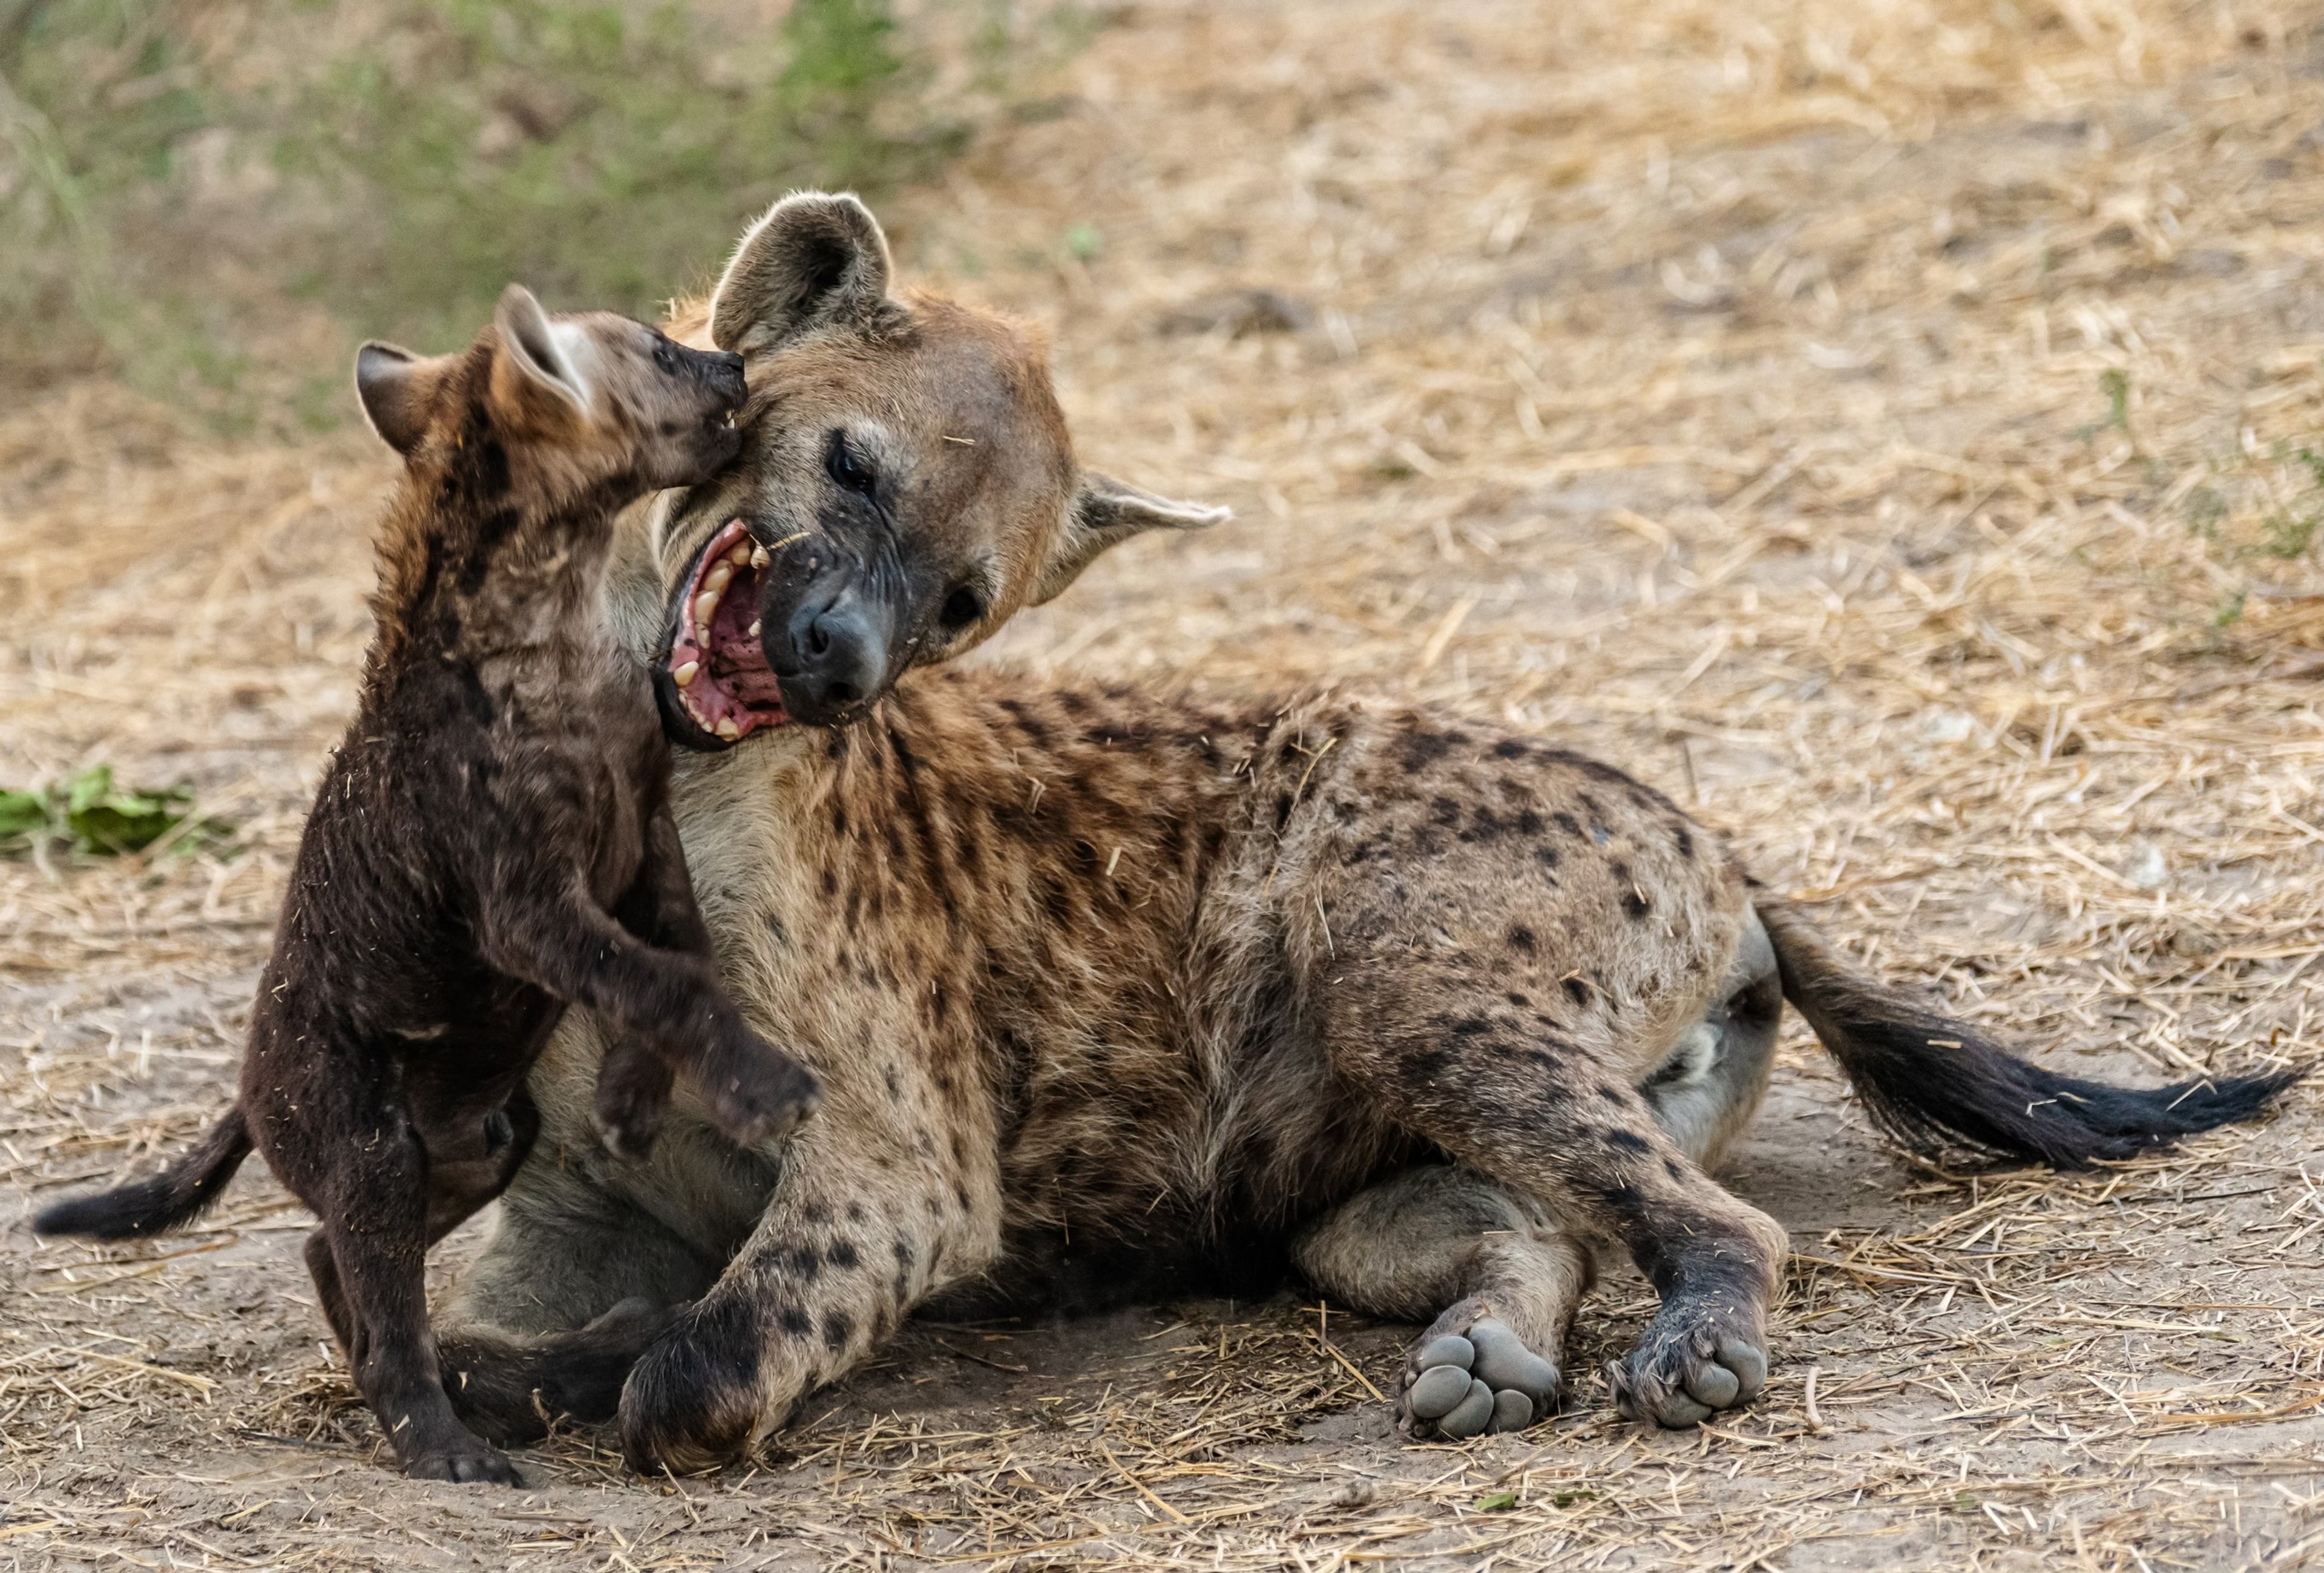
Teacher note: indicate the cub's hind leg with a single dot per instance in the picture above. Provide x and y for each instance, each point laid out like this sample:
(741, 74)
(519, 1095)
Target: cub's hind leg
(1494, 1276)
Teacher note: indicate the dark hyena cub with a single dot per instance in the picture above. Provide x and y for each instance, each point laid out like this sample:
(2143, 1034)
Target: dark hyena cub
(491, 842)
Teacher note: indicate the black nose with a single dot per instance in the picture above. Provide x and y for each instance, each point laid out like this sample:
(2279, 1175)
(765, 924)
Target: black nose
(726, 376)
(841, 657)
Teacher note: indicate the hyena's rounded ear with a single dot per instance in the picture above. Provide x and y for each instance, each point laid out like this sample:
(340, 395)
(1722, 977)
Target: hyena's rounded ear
(398, 390)
(1105, 511)
(815, 260)
(535, 353)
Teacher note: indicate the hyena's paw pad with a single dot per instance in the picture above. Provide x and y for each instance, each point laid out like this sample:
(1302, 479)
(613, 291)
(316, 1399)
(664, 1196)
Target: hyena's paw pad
(1681, 1376)
(1480, 1379)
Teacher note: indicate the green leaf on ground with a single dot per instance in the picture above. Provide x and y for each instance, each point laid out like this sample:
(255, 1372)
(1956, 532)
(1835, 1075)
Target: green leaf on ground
(100, 818)
(22, 814)
(1497, 1502)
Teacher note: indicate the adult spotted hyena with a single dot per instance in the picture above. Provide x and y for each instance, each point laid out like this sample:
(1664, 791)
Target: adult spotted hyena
(1113, 988)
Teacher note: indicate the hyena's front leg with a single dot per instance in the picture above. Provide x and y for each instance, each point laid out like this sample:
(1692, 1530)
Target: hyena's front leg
(861, 1228)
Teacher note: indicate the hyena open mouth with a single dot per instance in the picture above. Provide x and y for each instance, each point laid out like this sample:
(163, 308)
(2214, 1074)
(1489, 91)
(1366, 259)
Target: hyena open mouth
(714, 683)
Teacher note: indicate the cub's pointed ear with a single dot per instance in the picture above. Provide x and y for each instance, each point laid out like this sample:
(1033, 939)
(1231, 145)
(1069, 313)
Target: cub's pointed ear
(1105, 511)
(535, 359)
(398, 390)
(815, 260)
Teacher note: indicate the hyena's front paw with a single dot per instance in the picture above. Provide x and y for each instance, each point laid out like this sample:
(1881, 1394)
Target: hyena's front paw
(692, 1401)
(1470, 1374)
(1694, 1360)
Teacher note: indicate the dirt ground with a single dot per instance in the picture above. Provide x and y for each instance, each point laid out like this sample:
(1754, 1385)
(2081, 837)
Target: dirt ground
(1878, 423)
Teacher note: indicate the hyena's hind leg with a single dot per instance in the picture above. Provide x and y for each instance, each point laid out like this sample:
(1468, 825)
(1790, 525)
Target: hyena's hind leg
(1501, 944)
(1494, 1276)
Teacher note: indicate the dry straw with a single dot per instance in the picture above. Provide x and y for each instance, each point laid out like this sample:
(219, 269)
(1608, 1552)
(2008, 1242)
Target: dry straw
(1880, 424)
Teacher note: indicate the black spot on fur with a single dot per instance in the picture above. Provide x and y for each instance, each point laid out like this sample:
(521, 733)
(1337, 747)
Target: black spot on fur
(795, 1321)
(841, 1253)
(1529, 823)
(837, 1329)
(1685, 842)
(1472, 1027)
(1522, 940)
(1422, 748)
(1509, 748)
(1577, 991)
(1425, 1067)
(1628, 1141)
(1519, 1000)
(1568, 823)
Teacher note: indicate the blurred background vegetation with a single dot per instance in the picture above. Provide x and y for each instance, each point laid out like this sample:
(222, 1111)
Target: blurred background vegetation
(214, 199)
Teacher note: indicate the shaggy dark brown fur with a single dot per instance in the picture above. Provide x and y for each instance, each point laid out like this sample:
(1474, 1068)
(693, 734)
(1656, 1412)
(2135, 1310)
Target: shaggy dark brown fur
(1111, 990)
(491, 841)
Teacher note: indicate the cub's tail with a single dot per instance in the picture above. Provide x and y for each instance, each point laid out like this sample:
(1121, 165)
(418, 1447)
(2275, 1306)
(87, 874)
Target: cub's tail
(161, 1201)
(1929, 1079)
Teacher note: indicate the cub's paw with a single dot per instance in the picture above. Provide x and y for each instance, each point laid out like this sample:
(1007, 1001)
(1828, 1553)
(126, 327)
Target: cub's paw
(1694, 1361)
(633, 1095)
(754, 1092)
(471, 1461)
(1470, 1374)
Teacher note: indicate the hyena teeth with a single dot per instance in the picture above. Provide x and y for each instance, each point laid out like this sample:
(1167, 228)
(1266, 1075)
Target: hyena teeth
(727, 729)
(759, 558)
(742, 554)
(683, 675)
(705, 607)
(720, 575)
(754, 628)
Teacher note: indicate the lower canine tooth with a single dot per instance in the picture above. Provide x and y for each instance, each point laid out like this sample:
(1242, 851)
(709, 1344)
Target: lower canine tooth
(683, 675)
(754, 627)
(727, 729)
(759, 558)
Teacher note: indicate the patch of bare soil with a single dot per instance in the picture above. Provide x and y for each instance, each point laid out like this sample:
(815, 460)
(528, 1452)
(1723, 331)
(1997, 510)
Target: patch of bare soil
(1885, 426)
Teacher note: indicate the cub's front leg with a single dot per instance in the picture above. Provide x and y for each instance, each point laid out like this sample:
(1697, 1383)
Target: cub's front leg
(866, 1222)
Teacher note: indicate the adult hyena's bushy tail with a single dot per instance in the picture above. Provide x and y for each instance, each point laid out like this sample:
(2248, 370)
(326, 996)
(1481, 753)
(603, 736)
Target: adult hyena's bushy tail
(1930, 1081)
(161, 1201)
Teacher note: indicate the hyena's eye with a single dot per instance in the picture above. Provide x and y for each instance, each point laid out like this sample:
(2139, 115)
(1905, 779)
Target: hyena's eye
(848, 468)
(961, 608)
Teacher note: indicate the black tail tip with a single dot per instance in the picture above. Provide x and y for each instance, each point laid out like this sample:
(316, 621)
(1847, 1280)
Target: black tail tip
(107, 1216)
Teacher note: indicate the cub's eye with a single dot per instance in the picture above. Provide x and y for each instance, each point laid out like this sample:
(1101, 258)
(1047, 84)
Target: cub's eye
(961, 608)
(848, 468)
